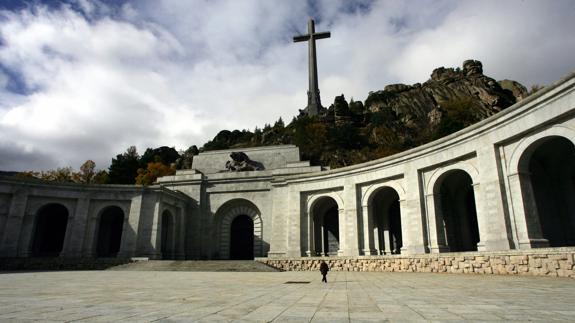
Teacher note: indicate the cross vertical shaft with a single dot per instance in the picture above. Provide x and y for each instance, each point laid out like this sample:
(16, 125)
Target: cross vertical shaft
(313, 99)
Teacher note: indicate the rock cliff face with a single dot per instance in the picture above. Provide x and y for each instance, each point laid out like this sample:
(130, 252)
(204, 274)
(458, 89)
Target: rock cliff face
(421, 104)
(394, 119)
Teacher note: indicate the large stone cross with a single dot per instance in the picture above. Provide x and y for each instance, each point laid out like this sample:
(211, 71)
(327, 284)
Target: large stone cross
(313, 100)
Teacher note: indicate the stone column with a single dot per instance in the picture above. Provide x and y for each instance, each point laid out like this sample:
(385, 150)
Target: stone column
(77, 229)
(323, 238)
(308, 232)
(181, 252)
(11, 238)
(437, 238)
(528, 228)
(155, 251)
(349, 237)
(342, 232)
(386, 235)
(492, 214)
(296, 210)
(376, 240)
(414, 228)
(368, 230)
(129, 243)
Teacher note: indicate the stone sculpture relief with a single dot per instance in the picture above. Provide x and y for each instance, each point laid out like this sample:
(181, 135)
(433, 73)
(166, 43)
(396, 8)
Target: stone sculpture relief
(241, 163)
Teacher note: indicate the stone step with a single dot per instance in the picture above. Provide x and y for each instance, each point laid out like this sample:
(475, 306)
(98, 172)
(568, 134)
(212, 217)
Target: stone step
(196, 265)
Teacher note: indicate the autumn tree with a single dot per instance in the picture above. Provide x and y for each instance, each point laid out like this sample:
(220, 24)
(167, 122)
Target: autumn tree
(86, 173)
(152, 171)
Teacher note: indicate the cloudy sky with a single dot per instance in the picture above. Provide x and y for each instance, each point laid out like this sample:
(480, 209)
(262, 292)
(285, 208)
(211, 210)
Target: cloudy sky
(85, 79)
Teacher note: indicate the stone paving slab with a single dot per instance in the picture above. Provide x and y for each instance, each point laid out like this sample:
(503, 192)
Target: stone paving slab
(147, 296)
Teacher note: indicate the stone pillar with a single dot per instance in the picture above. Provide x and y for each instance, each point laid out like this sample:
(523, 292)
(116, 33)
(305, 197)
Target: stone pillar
(492, 214)
(386, 235)
(307, 233)
(376, 240)
(349, 219)
(414, 228)
(437, 238)
(279, 225)
(129, 243)
(181, 252)
(323, 238)
(528, 228)
(155, 251)
(76, 232)
(368, 230)
(11, 238)
(342, 232)
(296, 210)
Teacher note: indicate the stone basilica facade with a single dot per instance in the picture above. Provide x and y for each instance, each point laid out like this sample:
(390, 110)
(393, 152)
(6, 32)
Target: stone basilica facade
(504, 184)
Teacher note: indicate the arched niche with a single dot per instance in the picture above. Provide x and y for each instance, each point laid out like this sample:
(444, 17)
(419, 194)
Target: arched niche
(110, 228)
(547, 169)
(456, 221)
(325, 226)
(384, 221)
(51, 222)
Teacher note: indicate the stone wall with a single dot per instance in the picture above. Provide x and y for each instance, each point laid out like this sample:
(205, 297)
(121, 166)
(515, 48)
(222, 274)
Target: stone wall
(554, 262)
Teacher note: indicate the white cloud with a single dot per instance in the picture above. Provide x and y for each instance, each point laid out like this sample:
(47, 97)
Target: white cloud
(172, 72)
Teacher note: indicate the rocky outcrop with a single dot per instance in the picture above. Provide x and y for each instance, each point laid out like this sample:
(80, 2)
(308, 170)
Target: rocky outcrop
(418, 104)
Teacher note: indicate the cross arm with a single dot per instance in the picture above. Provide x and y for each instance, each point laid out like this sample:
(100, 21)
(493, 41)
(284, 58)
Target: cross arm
(300, 38)
(325, 34)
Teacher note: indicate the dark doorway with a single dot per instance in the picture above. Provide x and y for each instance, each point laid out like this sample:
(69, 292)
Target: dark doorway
(325, 216)
(50, 231)
(242, 238)
(552, 169)
(110, 232)
(167, 235)
(331, 235)
(387, 219)
(459, 213)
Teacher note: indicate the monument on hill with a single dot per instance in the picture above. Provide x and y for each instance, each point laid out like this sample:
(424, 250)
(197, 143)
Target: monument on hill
(313, 100)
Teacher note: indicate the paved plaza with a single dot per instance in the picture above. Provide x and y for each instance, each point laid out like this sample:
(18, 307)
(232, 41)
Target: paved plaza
(145, 296)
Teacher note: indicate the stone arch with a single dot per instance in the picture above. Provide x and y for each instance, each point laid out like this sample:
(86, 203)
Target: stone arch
(226, 214)
(456, 222)
(50, 226)
(529, 144)
(439, 173)
(314, 198)
(382, 221)
(324, 230)
(369, 193)
(110, 228)
(545, 173)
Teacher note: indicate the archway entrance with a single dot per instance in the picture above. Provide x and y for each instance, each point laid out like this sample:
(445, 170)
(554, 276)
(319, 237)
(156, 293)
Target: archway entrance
(168, 242)
(325, 216)
(242, 238)
(110, 232)
(50, 231)
(387, 221)
(458, 211)
(551, 165)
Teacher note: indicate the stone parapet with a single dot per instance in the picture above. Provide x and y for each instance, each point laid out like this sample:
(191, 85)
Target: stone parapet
(554, 262)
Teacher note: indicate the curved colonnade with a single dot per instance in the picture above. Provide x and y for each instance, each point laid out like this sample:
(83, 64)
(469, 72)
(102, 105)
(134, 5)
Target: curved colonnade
(505, 183)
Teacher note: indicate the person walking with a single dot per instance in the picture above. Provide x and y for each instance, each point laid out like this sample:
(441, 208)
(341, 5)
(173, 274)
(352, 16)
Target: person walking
(323, 268)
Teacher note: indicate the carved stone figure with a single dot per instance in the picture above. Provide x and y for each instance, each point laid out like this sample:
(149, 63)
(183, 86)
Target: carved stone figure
(241, 163)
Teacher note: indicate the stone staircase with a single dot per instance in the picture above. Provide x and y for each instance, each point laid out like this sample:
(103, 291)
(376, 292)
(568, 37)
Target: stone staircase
(196, 265)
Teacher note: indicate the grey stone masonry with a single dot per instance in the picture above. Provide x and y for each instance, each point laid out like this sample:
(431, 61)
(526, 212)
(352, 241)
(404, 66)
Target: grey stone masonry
(552, 262)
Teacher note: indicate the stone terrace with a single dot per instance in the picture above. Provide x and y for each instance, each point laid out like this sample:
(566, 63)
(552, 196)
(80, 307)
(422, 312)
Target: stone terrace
(141, 296)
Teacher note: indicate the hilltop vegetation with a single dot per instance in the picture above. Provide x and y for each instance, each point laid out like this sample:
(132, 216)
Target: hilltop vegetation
(389, 121)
